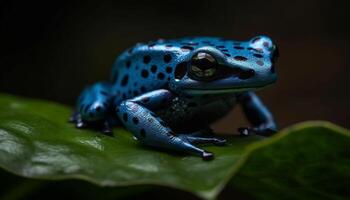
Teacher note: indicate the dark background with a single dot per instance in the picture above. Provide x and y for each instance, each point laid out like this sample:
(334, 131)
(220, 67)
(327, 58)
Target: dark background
(53, 49)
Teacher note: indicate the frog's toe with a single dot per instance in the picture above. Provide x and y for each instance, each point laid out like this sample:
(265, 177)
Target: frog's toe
(80, 124)
(219, 141)
(244, 131)
(262, 131)
(206, 155)
(203, 140)
(106, 128)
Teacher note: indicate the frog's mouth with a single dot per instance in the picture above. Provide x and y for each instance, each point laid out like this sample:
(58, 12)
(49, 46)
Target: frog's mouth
(224, 90)
(222, 86)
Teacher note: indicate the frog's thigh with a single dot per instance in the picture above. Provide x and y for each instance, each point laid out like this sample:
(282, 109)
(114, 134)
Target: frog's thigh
(138, 117)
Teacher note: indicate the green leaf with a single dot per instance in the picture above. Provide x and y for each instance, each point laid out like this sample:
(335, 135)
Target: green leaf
(307, 161)
(310, 160)
(37, 141)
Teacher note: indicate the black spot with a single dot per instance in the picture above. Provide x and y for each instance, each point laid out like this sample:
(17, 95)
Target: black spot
(125, 80)
(98, 108)
(168, 69)
(150, 120)
(136, 93)
(135, 120)
(227, 54)
(224, 50)
(151, 45)
(259, 62)
(125, 117)
(104, 93)
(238, 47)
(146, 59)
(168, 46)
(192, 104)
(143, 89)
(258, 55)
(180, 70)
(143, 133)
(160, 76)
(144, 73)
(170, 134)
(128, 64)
(240, 58)
(154, 68)
(124, 96)
(167, 58)
(186, 48)
(115, 77)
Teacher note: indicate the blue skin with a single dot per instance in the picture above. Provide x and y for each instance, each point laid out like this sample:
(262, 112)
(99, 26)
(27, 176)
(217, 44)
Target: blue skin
(166, 92)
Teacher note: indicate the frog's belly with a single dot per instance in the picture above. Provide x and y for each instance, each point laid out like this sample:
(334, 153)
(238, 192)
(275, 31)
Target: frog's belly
(183, 116)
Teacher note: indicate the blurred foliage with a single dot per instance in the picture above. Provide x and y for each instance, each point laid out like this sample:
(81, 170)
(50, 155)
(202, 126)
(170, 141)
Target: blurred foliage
(306, 161)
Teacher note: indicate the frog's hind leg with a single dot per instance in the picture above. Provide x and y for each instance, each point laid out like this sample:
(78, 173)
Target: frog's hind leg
(93, 107)
(137, 116)
(194, 139)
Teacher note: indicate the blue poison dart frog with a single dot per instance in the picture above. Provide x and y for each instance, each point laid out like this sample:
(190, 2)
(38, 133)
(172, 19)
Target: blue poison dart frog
(167, 92)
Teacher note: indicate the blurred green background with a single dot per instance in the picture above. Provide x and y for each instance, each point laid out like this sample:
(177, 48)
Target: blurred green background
(52, 49)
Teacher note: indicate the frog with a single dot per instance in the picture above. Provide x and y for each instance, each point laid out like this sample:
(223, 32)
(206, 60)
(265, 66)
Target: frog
(168, 92)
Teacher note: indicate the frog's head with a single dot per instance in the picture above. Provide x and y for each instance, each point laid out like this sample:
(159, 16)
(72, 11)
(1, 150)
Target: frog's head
(228, 67)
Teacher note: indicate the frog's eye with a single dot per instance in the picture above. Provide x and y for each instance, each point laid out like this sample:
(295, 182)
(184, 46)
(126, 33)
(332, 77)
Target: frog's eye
(203, 66)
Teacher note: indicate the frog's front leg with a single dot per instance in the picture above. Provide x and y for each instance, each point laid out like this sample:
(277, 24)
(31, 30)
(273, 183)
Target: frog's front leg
(138, 117)
(258, 115)
(93, 106)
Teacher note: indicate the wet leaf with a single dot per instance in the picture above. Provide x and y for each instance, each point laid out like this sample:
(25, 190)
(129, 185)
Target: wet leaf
(307, 160)
(37, 141)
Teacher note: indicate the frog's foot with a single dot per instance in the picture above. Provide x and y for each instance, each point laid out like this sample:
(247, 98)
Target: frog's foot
(207, 155)
(262, 131)
(102, 125)
(193, 139)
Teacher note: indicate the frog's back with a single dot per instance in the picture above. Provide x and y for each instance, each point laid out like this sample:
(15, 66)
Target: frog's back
(150, 66)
